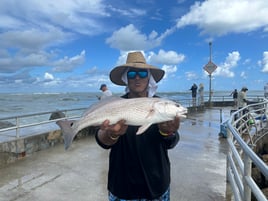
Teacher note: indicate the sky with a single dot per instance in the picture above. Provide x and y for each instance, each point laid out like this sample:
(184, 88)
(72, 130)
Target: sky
(72, 45)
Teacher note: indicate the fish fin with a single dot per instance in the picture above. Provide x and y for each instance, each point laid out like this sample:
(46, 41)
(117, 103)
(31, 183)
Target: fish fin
(143, 128)
(146, 126)
(151, 113)
(67, 131)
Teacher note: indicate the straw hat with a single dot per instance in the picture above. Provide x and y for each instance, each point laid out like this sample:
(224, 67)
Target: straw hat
(135, 60)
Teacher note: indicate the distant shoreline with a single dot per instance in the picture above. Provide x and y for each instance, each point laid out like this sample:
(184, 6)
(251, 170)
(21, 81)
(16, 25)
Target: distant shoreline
(98, 92)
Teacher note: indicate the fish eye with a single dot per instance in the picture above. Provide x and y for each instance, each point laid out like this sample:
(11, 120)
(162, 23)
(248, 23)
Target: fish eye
(177, 105)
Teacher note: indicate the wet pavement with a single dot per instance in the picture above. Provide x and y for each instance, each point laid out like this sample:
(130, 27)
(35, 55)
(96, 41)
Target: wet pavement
(198, 165)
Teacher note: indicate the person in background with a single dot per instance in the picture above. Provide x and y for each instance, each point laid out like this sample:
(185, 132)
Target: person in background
(201, 93)
(266, 90)
(242, 99)
(105, 92)
(139, 166)
(234, 94)
(194, 92)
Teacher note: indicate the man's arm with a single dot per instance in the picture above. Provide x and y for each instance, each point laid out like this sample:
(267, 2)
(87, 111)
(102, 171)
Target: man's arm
(108, 134)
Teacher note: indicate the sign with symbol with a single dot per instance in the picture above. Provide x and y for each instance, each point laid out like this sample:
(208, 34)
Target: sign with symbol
(210, 67)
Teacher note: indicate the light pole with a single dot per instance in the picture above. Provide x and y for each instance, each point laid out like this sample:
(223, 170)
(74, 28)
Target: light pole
(209, 99)
(210, 67)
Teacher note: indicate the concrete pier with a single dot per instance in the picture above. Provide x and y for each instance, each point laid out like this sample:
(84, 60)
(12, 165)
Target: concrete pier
(198, 167)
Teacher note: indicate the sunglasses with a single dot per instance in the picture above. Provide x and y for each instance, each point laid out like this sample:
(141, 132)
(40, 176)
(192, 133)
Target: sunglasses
(133, 74)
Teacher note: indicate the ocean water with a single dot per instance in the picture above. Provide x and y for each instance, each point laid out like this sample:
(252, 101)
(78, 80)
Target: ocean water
(21, 104)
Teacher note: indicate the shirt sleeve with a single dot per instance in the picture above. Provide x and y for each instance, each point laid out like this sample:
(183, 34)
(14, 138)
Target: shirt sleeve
(104, 146)
(171, 141)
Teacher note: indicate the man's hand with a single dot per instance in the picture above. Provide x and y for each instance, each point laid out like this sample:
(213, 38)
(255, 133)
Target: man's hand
(169, 127)
(114, 130)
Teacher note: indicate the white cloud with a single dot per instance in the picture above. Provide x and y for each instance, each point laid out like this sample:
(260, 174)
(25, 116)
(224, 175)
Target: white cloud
(92, 70)
(68, 64)
(52, 83)
(20, 60)
(30, 29)
(33, 39)
(129, 12)
(243, 75)
(170, 70)
(130, 38)
(265, 62)
(44, 34)
(166, 57)
(79, 16)
(247, 61)
(225, 69)
(48, 76)
(216, 17)
(191, 76)
(18, 81)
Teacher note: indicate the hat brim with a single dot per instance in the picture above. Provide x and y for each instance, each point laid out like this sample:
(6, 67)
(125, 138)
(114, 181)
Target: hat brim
(117, 72)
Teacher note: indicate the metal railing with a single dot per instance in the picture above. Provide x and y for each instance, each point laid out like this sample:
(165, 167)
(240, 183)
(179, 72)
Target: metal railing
(244, 129)
(36, 120)
(41, 119)
(188, 102)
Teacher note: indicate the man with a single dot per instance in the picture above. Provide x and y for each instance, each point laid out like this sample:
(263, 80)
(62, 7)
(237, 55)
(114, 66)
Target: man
(235, 94)
(139, 166)
(242, 99)
(201, 93)
(194, 91)
(105, 92)
(266, 90)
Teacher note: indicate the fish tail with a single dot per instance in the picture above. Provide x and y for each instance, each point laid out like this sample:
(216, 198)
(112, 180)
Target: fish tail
(67, 131)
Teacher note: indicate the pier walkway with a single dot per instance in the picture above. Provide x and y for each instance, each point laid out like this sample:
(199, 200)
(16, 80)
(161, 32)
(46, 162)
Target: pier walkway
(198, 165)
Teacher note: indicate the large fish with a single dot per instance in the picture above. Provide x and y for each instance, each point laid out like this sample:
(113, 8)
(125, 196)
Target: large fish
(141, 112)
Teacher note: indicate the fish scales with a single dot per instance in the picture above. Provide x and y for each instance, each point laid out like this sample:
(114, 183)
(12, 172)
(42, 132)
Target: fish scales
(141, 112)
(110, 111)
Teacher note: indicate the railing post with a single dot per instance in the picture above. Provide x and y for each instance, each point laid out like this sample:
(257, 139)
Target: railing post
(220, 115)
(227, 194)
(17, 127)
(246, 173)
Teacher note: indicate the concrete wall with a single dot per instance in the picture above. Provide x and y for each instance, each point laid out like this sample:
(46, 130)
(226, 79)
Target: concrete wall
(17, 149)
